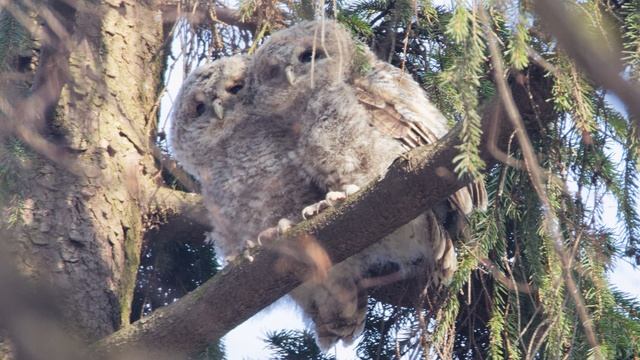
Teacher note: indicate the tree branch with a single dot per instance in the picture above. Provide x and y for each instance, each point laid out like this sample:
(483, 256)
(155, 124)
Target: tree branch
(175, 170)
(176, 202)
(422, 177)
(536, 177)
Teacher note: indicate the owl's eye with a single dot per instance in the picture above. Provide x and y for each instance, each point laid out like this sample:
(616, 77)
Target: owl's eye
(308, 54)
(235, 88)
(200, 108)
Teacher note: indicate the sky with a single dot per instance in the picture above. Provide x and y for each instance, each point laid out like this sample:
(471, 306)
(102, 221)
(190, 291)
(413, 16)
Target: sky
(246, 340)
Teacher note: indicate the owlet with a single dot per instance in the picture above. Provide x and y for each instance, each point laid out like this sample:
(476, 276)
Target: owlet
(245, 165)
(351, 116)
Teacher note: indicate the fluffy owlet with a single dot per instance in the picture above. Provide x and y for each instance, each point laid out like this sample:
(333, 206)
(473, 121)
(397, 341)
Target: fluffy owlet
(352, 115)
(250, 176)
(245, 164)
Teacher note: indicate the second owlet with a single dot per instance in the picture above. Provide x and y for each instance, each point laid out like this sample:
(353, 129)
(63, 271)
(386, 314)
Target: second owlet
(244, 164)
(352, 115)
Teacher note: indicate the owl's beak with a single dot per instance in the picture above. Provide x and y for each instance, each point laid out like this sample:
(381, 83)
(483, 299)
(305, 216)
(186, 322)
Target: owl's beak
(291, 77)
(218, 109)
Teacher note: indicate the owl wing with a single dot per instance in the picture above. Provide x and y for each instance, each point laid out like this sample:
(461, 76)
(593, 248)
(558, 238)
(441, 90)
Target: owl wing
(400, 108)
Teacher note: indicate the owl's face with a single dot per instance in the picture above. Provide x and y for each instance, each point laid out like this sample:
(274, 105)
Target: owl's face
(297, 60)
(206, 109)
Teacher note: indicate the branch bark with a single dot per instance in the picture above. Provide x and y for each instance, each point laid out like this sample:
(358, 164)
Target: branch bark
(422, 177)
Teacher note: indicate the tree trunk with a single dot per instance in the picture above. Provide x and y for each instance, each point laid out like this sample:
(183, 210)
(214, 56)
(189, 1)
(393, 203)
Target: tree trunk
(80, 213)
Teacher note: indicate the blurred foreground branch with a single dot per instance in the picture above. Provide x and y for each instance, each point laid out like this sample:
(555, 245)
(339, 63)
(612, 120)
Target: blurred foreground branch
(29, 317)
(603, 66)
(25, 117)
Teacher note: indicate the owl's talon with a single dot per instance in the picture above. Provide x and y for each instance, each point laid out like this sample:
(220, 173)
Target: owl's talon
(250, 244)
(330, 200)
(247, 256)
(272, 233)
(267, 234)
(284, 225)
(314, 209)
(230, 258)
(334, 197)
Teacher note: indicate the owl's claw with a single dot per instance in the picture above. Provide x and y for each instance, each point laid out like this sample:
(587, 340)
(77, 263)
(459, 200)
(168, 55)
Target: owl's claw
(331, 199)
(246, 255)
(275, 232)
(334, 197)
(314, 209)
(249, 244)
(249, 248)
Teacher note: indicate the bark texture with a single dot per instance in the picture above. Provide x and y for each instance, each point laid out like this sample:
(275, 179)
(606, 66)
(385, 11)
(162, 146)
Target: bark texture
(80, 222)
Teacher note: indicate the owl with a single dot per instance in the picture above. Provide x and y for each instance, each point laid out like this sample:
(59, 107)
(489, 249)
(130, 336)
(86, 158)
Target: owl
(351, 116)
(245, 164)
